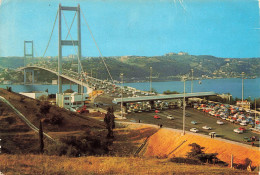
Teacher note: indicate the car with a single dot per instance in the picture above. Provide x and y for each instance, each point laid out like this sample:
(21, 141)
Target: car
(156, 117)
(246, 139)
(213, 133)
(187, 115)
(193, 122)
(170, 117)
(238, 131)
(243, 124)
(194, 130)
(206, 127)
(242, 129)
(220, 122)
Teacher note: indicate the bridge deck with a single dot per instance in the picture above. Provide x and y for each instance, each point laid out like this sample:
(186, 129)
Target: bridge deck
(163, 97)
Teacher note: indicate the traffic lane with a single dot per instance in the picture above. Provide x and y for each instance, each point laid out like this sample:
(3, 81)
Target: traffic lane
(202, 119)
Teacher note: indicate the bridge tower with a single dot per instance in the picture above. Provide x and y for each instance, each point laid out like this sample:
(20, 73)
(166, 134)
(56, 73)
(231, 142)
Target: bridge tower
(68, 43)
(28, 55)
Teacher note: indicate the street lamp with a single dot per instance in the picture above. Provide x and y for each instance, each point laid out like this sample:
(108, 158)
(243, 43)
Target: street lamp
(151, 69)
(184, 105)
(243, 73)
(121, 75)
(191, 80)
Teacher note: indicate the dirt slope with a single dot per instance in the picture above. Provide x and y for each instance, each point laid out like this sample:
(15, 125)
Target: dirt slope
(166, 140)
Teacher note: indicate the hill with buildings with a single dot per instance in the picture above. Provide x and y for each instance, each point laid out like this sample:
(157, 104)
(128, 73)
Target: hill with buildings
(171, 66)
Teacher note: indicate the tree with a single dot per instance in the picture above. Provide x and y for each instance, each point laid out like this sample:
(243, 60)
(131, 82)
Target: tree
(43, 98)
(69, 91)
(41, 137)
(110, 122)
(198, 153)
(154, 91)
(170, 92)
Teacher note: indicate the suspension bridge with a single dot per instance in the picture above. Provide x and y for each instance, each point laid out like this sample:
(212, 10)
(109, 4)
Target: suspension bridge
(81, 78)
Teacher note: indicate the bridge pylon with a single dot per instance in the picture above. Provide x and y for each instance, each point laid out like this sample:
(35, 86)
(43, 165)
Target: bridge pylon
(69, 43)
(28, 55)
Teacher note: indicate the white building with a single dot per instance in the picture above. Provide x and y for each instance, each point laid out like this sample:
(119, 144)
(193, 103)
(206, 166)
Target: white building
(71, 100)
(35, 95)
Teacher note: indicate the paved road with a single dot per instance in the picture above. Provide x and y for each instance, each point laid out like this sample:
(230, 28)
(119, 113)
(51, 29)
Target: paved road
(224, 131)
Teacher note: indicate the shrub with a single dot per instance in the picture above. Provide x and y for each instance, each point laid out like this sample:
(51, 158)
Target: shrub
(9, 89)
(74, 147)
(45, 108)
(43, 98)
(10, 120)
(22, 98)
(2, 111)
(56, 119)
(186, 160)
(198, 154)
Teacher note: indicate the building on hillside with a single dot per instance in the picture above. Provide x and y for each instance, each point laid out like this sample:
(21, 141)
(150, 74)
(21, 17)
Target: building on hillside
(35, 94)
(245, 104)
(54, 82)
(170, 54)
(182, 53)
(71, 100)
(7, 82)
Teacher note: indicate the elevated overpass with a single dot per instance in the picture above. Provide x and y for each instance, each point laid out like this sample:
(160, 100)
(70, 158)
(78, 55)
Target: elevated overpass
(162, 97)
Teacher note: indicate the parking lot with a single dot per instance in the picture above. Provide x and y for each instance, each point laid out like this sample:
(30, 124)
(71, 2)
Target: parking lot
(202, 119)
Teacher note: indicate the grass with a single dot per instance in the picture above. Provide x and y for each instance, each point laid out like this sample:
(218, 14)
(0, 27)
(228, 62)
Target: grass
(42, 164)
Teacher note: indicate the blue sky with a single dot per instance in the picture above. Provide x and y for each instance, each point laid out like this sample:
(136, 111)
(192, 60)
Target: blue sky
(223, 28)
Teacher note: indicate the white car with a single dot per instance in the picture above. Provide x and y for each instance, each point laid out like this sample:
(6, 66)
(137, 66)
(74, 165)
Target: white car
(220, 122)
(206, 127)
(194, 130)
(238, 131)
(243, 124)
(170, 117)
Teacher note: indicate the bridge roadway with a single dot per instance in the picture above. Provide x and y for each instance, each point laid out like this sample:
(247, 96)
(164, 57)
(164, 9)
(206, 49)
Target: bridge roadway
(74, 77)
(66, 75)
(163, 97)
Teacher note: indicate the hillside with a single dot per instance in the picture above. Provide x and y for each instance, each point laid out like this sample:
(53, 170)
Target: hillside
(137, 68)
(58, 123)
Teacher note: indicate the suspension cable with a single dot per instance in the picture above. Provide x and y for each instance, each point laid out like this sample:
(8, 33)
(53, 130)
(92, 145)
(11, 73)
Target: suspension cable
(97, 46)
(82, 70)
(71, 25)
(51, 33)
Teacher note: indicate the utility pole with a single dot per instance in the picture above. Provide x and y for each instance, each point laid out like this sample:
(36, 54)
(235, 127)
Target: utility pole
(121, 75)
(243, 90)
(255, 113)
(191, 80)
(151, 69)
(184, 105)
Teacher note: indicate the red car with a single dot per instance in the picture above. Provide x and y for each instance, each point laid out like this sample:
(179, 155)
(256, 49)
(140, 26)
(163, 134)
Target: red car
(242, 128)
(157, 117)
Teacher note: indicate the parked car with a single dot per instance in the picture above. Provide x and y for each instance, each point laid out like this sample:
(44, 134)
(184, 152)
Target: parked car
(193, 122)
(206, 127)
(156, 117)
(194, 130)
(238, 131)
(243, 124)
(220, 122)
(170, 117)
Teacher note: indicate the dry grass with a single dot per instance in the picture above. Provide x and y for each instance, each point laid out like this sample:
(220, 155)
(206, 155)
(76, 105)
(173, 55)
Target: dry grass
(41, 164)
